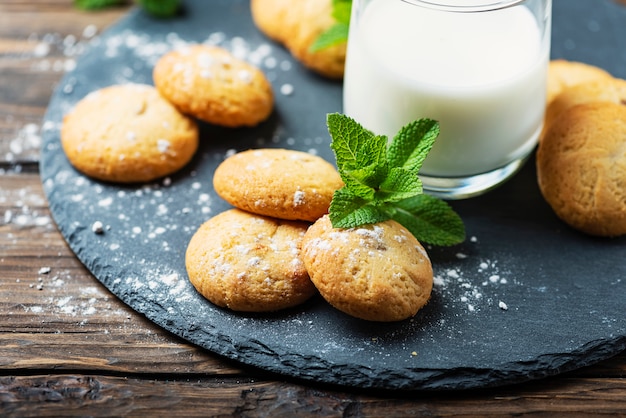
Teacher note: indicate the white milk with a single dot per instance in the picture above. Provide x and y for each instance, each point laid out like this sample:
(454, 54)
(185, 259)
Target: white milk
(484, 80)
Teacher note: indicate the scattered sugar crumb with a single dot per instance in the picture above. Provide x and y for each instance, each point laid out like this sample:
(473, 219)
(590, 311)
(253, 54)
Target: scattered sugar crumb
(287, 89)
(298, 198)
(97, 227)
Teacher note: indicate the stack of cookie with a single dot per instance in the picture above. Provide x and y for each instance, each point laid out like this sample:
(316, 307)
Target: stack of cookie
(265, 255)
(581, 158)
(249, 258)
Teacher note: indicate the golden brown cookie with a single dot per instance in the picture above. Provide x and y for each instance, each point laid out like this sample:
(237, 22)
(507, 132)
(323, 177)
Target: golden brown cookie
(581, 168)
(281, 183)
(128, 133)
(297, 24)
(563, 74)
(249, 263)
(209, 83)
(376, 272)
(605, 90)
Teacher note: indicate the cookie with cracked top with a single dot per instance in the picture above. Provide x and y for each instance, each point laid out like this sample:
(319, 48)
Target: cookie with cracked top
(128, 134)
(209, 83)
(581, 168)
(281, 183)
(249, 263)
(376, 272)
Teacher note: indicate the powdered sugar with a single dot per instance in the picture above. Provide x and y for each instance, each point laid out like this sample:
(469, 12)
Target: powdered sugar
(148, 50)
(299, 198)
(474, 283)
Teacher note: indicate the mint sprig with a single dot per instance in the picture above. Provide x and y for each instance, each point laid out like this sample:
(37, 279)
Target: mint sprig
(338, 33)
(158, 8)
(381, 181)
(97, 4)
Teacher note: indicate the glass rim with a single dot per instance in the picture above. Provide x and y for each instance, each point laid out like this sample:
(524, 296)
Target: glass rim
(467, 6)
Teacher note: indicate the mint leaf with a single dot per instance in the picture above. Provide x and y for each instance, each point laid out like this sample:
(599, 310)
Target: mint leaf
(335, 35)
(361, 182)
(160, 8)
(400, 184)
(97, 4)
(361, 155)
(342, 10)
(412, 144)
(382, 182)
(354, 146)
(430, 220)
(350, 211)
(338, 33)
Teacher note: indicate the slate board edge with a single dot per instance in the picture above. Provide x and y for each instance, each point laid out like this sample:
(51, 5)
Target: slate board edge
(414, 379)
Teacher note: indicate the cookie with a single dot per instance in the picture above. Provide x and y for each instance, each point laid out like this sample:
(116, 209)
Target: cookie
(563, 74)
(281, 183)
(376, 272)
(605, 90)
(249, 263)
(581, 168)
(128, 133)
(209, 83)
(297, 24)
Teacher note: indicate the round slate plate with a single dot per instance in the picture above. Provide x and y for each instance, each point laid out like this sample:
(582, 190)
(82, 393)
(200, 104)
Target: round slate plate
(523, 298)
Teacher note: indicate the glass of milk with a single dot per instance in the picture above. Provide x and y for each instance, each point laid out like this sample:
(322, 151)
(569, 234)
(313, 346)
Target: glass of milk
(476, 66)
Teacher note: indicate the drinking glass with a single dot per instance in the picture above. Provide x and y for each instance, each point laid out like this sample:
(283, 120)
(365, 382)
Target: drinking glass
(478, 67)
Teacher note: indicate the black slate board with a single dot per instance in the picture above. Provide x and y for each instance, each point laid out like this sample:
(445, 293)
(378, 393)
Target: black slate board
(565, 292)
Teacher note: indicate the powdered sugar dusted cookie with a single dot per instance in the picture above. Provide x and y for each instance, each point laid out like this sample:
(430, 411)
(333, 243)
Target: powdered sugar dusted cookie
(209, 83)
(250, 263)
(281, 183)
(128, 133)
(375, 272)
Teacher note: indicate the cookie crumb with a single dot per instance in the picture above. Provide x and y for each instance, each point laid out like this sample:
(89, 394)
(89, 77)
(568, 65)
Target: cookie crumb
(44, 270)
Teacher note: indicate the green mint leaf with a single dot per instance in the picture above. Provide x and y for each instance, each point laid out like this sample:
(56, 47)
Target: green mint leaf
(97, 4)
(160, 8)
(361, 182)
(350, 211)
(342, 10)
(355, 147)
(430, 220)
(335, 35)
(381, 181)
(400, 184)
(338, 33)
(412, 144)
(361, 155)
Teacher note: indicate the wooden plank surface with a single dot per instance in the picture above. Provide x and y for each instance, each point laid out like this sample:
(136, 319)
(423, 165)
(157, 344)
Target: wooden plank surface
(68, 347)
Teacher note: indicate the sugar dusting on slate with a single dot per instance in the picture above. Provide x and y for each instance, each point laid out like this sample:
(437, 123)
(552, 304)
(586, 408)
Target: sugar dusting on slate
(49, 52)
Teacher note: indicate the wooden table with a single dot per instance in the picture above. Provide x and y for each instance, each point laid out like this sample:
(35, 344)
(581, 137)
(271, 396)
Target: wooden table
(68, 347)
